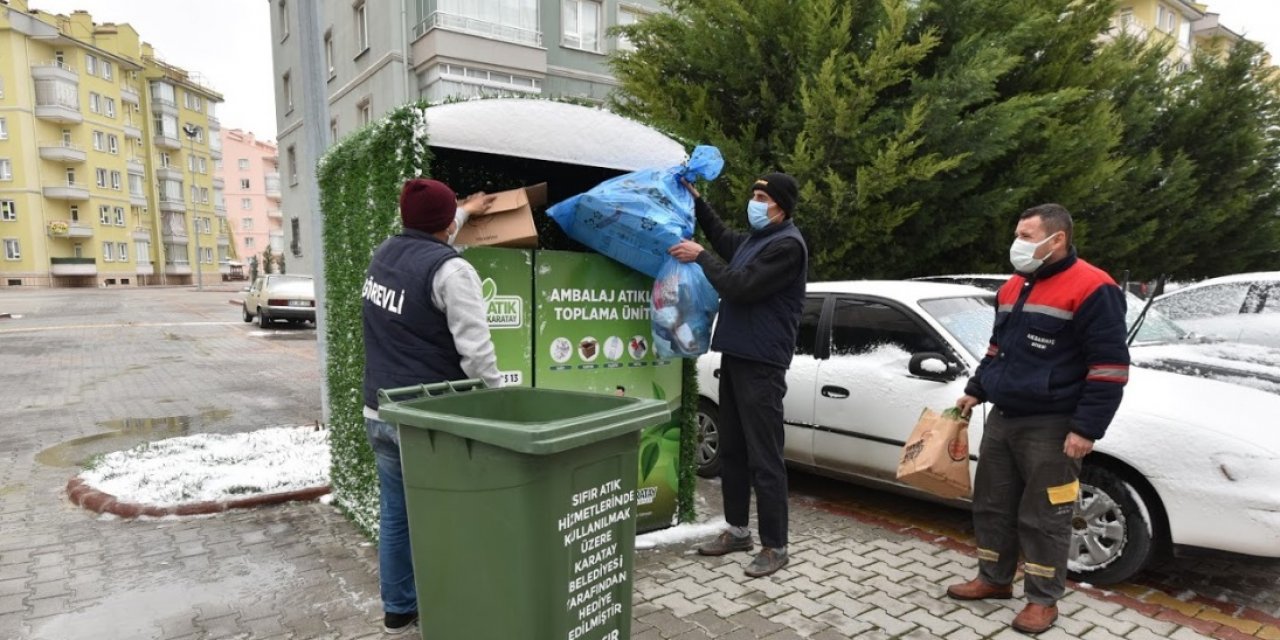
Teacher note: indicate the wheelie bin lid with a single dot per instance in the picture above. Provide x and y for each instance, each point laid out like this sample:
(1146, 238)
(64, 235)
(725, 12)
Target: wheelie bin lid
(522, 419)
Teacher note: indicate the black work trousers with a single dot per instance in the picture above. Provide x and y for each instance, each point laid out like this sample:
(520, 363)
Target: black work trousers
(751, 442)
(1024, 496)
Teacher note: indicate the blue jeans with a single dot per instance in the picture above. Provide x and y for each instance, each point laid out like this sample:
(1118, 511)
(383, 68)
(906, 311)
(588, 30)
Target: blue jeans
(395, 560)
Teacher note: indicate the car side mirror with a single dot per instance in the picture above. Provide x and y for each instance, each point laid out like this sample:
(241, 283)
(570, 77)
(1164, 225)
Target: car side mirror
(933, 366)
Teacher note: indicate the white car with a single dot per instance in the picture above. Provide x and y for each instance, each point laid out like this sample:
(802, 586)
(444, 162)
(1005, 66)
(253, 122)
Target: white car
(280, 297)
(1189, 461)
(1239, 308)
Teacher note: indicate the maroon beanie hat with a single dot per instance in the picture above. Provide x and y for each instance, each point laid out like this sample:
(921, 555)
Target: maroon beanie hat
(427, 205)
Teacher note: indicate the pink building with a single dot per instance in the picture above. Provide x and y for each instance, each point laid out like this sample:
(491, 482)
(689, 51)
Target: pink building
(251, 191)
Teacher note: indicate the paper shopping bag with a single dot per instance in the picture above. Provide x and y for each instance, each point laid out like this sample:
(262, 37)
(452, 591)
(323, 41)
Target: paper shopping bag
(936, 456)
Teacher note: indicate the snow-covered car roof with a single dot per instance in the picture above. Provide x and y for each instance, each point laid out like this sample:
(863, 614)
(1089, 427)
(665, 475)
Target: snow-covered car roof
(553, 131)
(1258, 276)
(898, 289)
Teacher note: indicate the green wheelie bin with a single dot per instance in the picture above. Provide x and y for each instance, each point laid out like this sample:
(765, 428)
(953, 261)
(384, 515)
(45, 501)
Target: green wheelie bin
(521, 507)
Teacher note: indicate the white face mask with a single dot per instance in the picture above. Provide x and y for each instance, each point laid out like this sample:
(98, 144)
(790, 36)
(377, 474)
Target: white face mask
(452, 234)
(1023, 254)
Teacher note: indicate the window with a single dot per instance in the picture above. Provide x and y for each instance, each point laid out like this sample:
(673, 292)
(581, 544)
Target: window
(71, 177)
(98, 144)
(60, 59)
(365, 113)
(122, 250)
(167, 126)
(204, 195)
(90, 65)
(166, 160)
(104, 214)
(135, 185)
(8, 210)
(291, 162)
(74, 212)
(860, 326)
(11, 249)
(106, 70)
(284, 20)
(142, 249)
(116, 180)
(328, 54)
(362, 29)
(333, 131)
(581, 21)
(810, 317)
(119, 211)
(246, 204)
(448, 80)
(202, 164)
(243, 163)
(101, 175)
(95, 103)
(1, 86)
(113, 144)
(4, 129)
(627, 17)
(195, 194)
(191, 163)
(109, 105)
(295, 237)
(511, 20)
(246, 224)
(163, 93)
(192, 101)
(107, 250)
(6, 169)
(205, 223)
(286, 88)
(1205, 302)
(248, 242)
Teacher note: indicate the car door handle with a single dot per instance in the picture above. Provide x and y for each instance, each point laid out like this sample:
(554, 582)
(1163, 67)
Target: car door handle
(839, 393)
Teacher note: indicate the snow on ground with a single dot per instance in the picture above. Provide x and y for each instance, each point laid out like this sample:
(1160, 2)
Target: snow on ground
(681, 534)
(214, 467)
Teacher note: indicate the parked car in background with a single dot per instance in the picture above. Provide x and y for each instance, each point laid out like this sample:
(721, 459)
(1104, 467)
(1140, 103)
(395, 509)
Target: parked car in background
(280, 297)
(1240, 308)
(1189, 461)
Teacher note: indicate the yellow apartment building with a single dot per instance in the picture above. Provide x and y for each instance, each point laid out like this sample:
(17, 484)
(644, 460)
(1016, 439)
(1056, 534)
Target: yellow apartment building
(94, 160)
(1169, 20)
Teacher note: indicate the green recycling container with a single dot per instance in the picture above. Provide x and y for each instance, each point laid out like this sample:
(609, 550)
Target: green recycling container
(521, 507)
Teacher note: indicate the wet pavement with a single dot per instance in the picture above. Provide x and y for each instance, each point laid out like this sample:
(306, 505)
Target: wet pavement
(84, 372)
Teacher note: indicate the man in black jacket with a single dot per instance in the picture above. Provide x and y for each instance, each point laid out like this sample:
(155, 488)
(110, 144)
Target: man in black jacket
(762, 288)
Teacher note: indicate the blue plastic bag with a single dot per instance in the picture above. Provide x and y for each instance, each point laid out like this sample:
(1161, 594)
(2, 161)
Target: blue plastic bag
(682, 310)
(634, 218)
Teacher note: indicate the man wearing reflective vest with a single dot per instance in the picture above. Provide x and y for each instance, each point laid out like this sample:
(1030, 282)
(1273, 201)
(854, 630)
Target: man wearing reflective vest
(1054, 372)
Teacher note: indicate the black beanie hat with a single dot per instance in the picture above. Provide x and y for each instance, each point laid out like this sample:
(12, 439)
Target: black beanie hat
(781, 187)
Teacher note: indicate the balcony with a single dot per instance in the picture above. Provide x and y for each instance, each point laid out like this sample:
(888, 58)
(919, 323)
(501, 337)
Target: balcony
(69, 229)
(215, 153)
(141, 233)
(146, 269)
(275, 213)
(273, 185)
(134, 165)
(130, 94)
(163, 105)
(54, 70)
(62, 151)
(73, 266)
(174, 205)
(214, 123)
(138, 199)
(178, 268)
(169, 173)
(131, 131)
(58, 112)
(220, 208)
(66, 191)
(167, 142)
(224, 241)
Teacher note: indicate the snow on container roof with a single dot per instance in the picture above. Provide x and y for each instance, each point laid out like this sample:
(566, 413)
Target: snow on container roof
(552, 131)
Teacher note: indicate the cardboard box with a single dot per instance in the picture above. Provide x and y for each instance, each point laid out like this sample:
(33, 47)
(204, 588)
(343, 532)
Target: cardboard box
(509, 222)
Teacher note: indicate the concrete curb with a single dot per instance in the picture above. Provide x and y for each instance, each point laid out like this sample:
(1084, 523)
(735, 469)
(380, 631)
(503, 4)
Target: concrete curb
(92, 499)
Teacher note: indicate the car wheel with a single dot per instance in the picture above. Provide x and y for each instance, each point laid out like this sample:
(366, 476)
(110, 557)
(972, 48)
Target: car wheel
(263, 320)
(708, 439)
(248, 317)
(1111, 538)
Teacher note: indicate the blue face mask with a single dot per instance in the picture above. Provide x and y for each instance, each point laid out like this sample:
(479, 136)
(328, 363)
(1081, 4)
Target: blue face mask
(757, 214)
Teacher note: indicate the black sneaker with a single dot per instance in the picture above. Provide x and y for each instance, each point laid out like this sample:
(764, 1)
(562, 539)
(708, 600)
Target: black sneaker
(397, 623)
(726, 543)
(766, 562)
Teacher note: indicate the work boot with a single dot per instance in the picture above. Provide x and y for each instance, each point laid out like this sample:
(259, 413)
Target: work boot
(395, 624)
(767, 562)
(1035, 618)
(726, 542)
(979, 589)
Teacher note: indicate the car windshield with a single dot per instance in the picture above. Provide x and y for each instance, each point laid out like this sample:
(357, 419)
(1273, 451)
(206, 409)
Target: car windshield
(290, 279)
(970, 318)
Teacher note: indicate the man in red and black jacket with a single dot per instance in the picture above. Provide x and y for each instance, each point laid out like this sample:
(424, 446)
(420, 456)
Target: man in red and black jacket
(1055, 372)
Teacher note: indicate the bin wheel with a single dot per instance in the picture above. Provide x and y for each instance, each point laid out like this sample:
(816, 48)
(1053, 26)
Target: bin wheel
(708, 419)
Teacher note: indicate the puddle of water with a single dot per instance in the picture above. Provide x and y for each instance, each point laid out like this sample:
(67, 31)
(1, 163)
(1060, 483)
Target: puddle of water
(124, 433)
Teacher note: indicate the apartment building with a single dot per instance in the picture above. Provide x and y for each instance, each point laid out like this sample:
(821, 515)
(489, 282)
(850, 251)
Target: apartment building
(251, 171)
(380, 54)
(92, 153)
